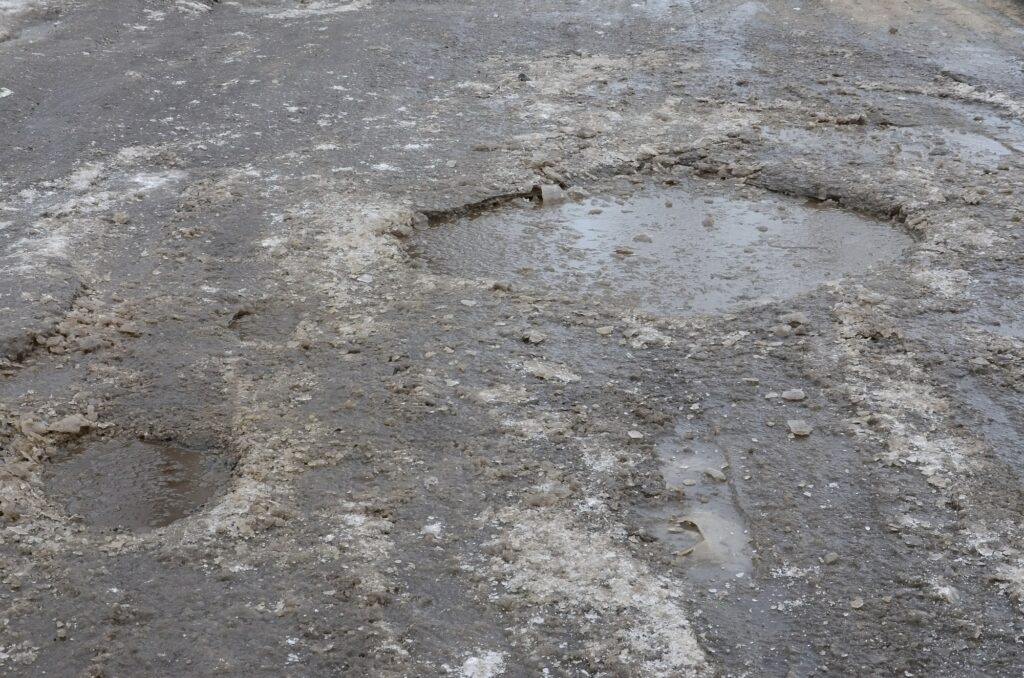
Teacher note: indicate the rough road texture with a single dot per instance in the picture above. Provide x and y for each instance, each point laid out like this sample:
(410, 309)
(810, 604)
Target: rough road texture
(204, 211)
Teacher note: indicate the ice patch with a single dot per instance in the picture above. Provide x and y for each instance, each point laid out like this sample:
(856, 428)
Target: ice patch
(84, 177)
(313, 9)
(1012, 577)
(192, 7)
(433, 529)
(488, 665)
(353, 519)
(28, 253)
(12, 8)
(950, 284)
(133, 153)
(575, 571)
(149, 181)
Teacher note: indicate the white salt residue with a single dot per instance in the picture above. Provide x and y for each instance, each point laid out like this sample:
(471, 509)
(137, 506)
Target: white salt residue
(433, 529)
(15, 7)
(313, 9)
(152, 180)
(575, 571)
(28, 253)
(192, 7)
(487, 665)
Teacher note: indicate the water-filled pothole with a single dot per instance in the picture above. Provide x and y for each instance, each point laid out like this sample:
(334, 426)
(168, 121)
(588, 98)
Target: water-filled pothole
(674, 251)
(706, 526)
(136, 485)
(937, 142)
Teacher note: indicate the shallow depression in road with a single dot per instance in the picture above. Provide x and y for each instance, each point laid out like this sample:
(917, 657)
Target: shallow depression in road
(666, 250)
(135, 484)
(706, 526)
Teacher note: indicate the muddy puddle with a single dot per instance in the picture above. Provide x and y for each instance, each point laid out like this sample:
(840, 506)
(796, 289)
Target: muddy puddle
(136, 485)
(703, 528)
(665, 250)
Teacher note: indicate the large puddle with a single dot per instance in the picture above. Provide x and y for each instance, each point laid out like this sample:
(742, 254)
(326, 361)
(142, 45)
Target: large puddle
(671, 251)
(136, 485)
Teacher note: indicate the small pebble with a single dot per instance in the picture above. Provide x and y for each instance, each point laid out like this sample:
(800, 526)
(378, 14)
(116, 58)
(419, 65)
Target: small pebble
(799, 427)
(715, 473)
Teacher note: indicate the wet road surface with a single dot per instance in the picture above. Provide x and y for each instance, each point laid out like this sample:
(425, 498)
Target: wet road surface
(302, 377)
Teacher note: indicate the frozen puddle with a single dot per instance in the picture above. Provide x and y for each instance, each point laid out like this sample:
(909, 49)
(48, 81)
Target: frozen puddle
(135, 484)
(671, 251)
(705, 527)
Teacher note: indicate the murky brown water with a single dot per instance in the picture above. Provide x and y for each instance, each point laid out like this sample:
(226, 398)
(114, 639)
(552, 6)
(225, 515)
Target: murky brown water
(136, 485)
(669, 251)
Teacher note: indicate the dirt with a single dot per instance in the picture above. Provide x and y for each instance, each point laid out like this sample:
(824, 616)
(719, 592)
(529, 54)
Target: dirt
(300, 376)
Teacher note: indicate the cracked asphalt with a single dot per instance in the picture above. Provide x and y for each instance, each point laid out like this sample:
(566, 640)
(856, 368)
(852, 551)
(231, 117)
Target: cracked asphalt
(250, 425)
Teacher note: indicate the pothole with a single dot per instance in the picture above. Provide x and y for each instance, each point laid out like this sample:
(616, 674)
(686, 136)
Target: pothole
(939, 142)
(135, 484)
(903, 145)
(665, 250)
(705, 527)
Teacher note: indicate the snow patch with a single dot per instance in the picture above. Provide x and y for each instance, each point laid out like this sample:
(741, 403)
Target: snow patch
(313, 9)
(565, 567)
(29, 253)
(192, 7)
(487, 665)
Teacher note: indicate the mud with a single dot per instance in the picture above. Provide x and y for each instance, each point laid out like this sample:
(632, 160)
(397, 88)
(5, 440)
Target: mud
(441, 431)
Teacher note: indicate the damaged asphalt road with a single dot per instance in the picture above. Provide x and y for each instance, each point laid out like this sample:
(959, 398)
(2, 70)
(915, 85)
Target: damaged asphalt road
(578, 338)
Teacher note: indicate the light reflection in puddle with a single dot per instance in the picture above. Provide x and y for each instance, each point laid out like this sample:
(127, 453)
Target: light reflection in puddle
(994, 145)
(976, 148)
(671, 251)
(720, 550)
